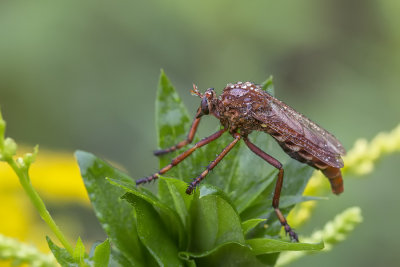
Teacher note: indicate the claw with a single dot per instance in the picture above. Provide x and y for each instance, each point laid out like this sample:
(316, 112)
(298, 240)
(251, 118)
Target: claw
(292, 234)
(147, 179)
(192, 187)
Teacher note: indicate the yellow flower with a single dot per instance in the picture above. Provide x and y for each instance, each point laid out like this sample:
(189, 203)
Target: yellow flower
(360, 160)
(56, 177)
(333, 232)
(17, 252)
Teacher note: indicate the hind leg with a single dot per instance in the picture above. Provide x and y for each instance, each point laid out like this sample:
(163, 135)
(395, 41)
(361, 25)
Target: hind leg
(278, 187)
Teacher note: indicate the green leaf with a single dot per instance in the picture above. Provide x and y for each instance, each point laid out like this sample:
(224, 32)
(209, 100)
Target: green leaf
(245, 176)
(265, 207)
(173, 193)
(101, 256)
(228, 254)
(263, 246)
(268, 86)
(250, 174)
(246, 195)
(117, 259)
(61, 254)
(249, 224)
(213, 222)
(207, 189)
(171, 115)
(79, 253)
(153, 233)
(168, 215)
(221, 175)
(173, 124)
(115, 215)
(295, 179)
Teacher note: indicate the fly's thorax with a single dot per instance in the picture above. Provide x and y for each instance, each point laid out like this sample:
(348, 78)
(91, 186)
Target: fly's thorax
(237, 103)
(244, 97)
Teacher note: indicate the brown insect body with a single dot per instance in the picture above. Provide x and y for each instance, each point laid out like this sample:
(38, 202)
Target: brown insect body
(246, 107)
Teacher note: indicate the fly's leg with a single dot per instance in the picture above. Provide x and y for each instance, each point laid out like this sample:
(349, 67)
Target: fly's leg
(214, 163)
(188, 139)
(181, 157)
(278, 187)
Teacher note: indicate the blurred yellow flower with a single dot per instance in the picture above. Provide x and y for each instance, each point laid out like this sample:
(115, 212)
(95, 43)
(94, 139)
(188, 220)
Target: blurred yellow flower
(15, 252)
(56, 177)
(334, 231)
(360, 160)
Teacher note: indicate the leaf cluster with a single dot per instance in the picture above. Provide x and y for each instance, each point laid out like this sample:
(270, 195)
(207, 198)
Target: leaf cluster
(228, 221)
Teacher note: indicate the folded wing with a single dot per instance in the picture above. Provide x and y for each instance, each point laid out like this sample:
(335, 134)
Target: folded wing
(301, 131)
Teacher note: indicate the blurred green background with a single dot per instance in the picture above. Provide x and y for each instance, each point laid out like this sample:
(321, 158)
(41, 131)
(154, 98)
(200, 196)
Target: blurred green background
(83, 75)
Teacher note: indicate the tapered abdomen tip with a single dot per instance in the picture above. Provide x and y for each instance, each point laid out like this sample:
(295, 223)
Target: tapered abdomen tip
(337, 185)
(335, 178)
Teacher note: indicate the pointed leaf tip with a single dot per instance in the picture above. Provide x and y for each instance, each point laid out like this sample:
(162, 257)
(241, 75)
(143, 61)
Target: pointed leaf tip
(79, 252)
(61, 254)
(268, 85)
(102, 254)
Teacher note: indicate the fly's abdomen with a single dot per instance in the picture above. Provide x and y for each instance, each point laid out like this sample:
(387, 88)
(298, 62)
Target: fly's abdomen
(299, 153)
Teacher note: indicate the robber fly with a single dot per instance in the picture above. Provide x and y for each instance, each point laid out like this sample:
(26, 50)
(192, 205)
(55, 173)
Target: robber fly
(245, 107)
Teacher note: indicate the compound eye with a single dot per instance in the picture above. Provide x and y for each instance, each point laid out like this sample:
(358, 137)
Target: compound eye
(204, 106)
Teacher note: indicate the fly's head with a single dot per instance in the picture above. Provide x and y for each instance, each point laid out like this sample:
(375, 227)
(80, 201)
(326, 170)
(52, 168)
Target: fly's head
(208, 101)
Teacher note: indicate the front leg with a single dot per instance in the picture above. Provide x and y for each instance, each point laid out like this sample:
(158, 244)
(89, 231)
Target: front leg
(188, 139)
(181, 157)
(214, 163)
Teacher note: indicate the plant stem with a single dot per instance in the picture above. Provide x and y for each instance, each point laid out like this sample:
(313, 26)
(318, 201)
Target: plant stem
(38, 203)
